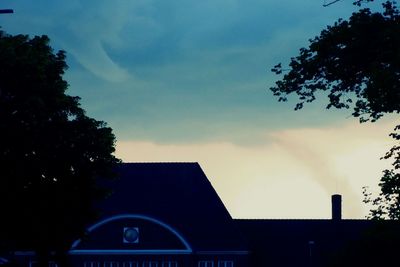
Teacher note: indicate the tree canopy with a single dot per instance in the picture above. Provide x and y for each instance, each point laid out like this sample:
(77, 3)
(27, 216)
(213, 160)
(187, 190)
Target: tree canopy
(356, 62)
(51, 153)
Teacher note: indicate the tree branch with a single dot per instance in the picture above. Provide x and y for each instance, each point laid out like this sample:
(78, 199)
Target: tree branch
(325, 5)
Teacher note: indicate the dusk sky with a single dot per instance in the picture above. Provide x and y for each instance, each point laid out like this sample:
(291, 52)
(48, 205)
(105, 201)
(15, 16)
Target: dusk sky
(184, 80)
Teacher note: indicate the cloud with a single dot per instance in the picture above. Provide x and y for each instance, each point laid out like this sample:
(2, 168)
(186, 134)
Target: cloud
(91, 55)
(290, 174)
(187, 80)
(108, 38)
(89, 28)
(331, 154)
(84, 28)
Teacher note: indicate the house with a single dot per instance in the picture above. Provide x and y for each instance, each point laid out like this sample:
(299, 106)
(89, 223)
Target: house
(162, 215)
(169, 215)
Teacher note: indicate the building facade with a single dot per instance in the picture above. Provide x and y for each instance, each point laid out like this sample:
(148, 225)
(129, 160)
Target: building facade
(159, 215)
(169, 215)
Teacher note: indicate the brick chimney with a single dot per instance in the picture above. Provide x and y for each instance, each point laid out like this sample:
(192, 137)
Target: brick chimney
(336, 207)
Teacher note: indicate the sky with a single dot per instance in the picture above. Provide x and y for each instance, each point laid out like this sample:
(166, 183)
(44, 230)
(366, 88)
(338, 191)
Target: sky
(188, 81)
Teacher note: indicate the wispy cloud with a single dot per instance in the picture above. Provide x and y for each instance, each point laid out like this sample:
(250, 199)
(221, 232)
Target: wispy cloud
(186, 80)
(289, 174)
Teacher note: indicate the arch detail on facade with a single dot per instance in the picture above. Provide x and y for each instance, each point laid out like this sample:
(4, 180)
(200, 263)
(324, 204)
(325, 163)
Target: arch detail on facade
(188, 249)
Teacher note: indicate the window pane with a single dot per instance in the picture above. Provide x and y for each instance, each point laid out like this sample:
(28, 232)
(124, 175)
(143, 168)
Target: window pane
(169, 264)
(205, 264)
(150, 264)
(129, 264)
(225, 263)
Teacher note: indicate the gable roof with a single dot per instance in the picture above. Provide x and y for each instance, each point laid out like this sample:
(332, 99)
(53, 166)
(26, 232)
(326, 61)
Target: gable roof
(178, 194)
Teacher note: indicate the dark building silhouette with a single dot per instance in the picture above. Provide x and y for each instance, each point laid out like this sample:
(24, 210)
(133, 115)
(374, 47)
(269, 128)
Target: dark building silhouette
(169, 215)
(175, 217)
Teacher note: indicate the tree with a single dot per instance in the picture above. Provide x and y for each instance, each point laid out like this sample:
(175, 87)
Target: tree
(51, 153)
(356, 63)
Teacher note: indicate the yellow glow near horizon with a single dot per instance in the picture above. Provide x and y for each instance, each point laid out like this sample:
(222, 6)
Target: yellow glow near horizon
(291, 175)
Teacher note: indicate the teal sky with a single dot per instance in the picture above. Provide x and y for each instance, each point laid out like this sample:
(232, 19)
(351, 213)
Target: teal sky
(191, 75)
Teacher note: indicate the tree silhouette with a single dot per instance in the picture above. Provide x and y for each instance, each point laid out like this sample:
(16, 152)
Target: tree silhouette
(50, 152)
(356, 62)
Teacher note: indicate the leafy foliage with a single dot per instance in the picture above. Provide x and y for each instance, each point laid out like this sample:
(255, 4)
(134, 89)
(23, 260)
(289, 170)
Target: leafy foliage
(50, 152)
(387, 204)
(355, 60)
(357, 63)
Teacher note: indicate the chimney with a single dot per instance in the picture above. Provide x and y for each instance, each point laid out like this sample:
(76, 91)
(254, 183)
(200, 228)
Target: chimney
(336, 207)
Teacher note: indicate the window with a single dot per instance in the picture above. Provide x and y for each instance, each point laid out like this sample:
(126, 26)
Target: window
(150, 264)
(110, 264)
(130, 264)
(92, 264)
(130, 235)
(205, 264)
(225, 263)
(34, 264)
(169, 264)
